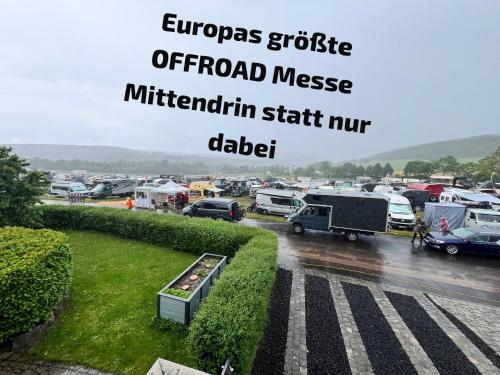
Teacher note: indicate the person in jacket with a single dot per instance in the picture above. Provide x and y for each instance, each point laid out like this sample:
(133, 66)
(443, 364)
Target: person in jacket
(443, 225)
(419, 229)
(129, 203)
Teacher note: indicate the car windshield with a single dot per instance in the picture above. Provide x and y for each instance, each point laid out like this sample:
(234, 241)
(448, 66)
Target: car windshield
(462, 233)
(490, 218)
(78, 187)
(98, 188)
(397, 208)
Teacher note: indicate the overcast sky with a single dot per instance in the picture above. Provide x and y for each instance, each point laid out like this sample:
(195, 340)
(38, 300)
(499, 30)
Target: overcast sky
(422, 71)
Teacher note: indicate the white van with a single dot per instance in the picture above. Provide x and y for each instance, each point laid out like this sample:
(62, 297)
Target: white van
(384, 189)
(62, 189)
(279, 202)
(400, 212)
(483, 219)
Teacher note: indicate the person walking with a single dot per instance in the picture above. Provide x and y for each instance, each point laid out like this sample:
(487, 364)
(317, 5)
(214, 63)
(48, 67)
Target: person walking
(419, 229)
(129, 203)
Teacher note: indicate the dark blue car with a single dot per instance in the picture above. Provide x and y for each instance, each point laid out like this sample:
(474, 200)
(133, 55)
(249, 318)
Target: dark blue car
(465, 240)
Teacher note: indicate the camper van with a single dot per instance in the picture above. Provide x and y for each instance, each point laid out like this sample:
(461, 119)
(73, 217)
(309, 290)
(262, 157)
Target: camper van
(400, 212)
(278, 202)
(62, 189)
(482, 219)
(342, 212)
(114, 188)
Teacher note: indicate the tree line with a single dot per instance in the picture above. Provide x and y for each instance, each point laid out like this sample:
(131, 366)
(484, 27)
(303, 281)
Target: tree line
(421, 169)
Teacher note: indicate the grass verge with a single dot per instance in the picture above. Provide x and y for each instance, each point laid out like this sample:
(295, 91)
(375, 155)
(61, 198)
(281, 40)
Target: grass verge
(107, 321)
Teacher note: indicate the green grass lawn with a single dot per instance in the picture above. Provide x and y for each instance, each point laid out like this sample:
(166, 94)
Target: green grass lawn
(106, 324)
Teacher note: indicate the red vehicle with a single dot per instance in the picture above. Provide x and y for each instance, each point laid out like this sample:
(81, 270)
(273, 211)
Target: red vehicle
(434, 190)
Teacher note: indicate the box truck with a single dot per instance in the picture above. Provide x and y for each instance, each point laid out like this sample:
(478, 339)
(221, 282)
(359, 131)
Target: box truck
(342, 212)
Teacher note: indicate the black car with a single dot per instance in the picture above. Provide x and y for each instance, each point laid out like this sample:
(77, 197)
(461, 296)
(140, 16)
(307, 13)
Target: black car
(465, 240)
(215, 208)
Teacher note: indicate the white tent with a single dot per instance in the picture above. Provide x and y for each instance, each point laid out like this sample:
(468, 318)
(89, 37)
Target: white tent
(170, 188)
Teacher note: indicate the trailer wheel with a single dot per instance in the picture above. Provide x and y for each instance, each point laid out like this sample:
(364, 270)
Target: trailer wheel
(298, 228)
(265, 212)
(351, 236)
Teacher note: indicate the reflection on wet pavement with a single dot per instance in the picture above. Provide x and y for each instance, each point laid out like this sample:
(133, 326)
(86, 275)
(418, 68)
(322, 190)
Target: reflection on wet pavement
(391, 260)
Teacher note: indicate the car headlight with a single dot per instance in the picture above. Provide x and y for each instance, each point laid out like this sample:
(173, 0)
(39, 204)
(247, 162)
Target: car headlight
(484, 227)
(439, 241)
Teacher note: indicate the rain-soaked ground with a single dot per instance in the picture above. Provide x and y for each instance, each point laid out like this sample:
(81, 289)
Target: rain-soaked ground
(391, 260)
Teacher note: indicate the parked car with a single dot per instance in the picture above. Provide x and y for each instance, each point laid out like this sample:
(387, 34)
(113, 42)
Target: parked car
(465, 240)
(62, 189)
(276, 201)
(215, 208)
(400, 212)
(483, 219)
(341, 212)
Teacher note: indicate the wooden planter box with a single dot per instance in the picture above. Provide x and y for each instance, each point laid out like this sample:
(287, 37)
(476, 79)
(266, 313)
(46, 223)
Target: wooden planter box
(180, 309)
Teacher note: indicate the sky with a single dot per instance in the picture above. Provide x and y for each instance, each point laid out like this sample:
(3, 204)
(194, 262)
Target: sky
(422, 71)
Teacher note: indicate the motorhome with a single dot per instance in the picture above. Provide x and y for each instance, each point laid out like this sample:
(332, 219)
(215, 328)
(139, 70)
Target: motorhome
(483, 219)
(278, 202)
(400, 212)
(342, 212)
(114, 188)
(62, 189)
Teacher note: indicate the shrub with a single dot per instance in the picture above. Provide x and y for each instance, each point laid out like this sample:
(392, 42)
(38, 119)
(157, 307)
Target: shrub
(193, 235)
(35, 271)
(230, 322)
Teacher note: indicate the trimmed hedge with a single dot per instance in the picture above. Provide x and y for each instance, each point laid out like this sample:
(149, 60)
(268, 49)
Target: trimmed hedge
(230, 322)
(192, 235)
(35, 272)
(233, 317)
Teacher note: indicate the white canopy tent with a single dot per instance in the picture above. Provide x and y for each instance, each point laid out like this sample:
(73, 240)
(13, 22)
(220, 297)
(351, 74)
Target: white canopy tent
(161, 193)
(170, 188)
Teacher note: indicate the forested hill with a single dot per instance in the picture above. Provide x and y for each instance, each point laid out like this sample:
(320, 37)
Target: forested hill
(464, 148)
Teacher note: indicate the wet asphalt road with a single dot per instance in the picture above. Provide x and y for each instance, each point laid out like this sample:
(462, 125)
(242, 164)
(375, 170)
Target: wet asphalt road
(391, 260)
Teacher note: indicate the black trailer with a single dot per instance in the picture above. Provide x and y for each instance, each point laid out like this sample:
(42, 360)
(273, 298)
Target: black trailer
(343, 212)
